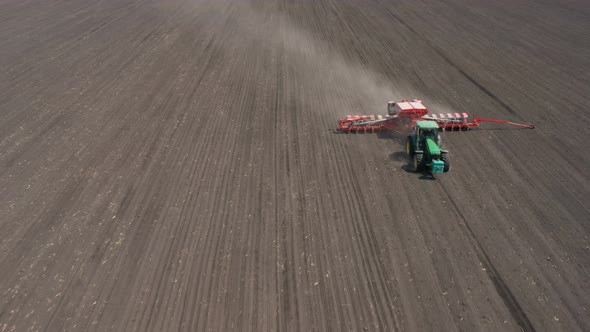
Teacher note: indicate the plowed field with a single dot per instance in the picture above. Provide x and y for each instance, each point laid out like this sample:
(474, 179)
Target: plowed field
(172, 165)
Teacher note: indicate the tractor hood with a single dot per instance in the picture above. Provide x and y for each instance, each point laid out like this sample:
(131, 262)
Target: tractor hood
(433, 149)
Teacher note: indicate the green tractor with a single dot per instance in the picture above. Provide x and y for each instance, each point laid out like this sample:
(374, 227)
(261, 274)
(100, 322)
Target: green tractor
(425, 149)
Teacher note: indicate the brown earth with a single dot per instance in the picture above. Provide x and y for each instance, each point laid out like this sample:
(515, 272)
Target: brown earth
(171, 165)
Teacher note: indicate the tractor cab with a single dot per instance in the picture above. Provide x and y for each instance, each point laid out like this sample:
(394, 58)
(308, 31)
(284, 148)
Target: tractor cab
(427, 129)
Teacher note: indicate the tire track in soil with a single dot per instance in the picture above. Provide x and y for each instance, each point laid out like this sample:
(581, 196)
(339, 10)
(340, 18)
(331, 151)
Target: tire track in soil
(456, 67)
(502, 288)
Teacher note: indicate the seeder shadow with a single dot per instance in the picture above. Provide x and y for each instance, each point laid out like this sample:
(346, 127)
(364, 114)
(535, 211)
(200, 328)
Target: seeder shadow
(399, 156)
(384, 135)
(336, 131)
(396, 137)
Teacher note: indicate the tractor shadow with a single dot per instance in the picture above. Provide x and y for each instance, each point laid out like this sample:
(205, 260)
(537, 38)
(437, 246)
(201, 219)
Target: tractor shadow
(397, 156)
(400, 156)
(427, 176)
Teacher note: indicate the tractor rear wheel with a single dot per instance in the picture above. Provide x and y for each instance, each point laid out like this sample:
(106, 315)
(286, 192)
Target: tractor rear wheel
(409, 146)
(418, 162)
(446, 160)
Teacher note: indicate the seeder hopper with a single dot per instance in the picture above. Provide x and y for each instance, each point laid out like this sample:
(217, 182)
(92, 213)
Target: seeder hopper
(410, 117)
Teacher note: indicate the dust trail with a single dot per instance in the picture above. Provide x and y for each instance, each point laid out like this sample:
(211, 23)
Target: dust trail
(348, 86)
(336, 77)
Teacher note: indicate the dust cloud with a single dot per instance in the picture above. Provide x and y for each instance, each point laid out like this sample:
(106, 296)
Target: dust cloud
(346, 85)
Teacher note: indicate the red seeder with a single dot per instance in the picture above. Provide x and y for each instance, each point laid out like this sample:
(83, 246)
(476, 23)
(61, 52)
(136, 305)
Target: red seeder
(403, 115)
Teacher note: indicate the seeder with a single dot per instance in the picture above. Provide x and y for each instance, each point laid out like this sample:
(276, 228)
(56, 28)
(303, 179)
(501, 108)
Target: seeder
(403, 115)
(423, 142)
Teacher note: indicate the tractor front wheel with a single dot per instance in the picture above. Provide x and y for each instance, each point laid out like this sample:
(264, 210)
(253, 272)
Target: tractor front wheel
(446, 160)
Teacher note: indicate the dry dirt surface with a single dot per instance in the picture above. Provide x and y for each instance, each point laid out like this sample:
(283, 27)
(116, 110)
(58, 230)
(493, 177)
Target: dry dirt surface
(172, 165)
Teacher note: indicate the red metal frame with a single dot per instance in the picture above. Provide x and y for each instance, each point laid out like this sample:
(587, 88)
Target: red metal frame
(406, 119)
(524, 125)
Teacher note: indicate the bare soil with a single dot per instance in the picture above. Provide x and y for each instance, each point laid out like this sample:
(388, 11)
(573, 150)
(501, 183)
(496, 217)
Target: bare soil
(172, 165)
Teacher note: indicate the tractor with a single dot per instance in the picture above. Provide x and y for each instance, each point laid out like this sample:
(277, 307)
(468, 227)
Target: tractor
(425, 149)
